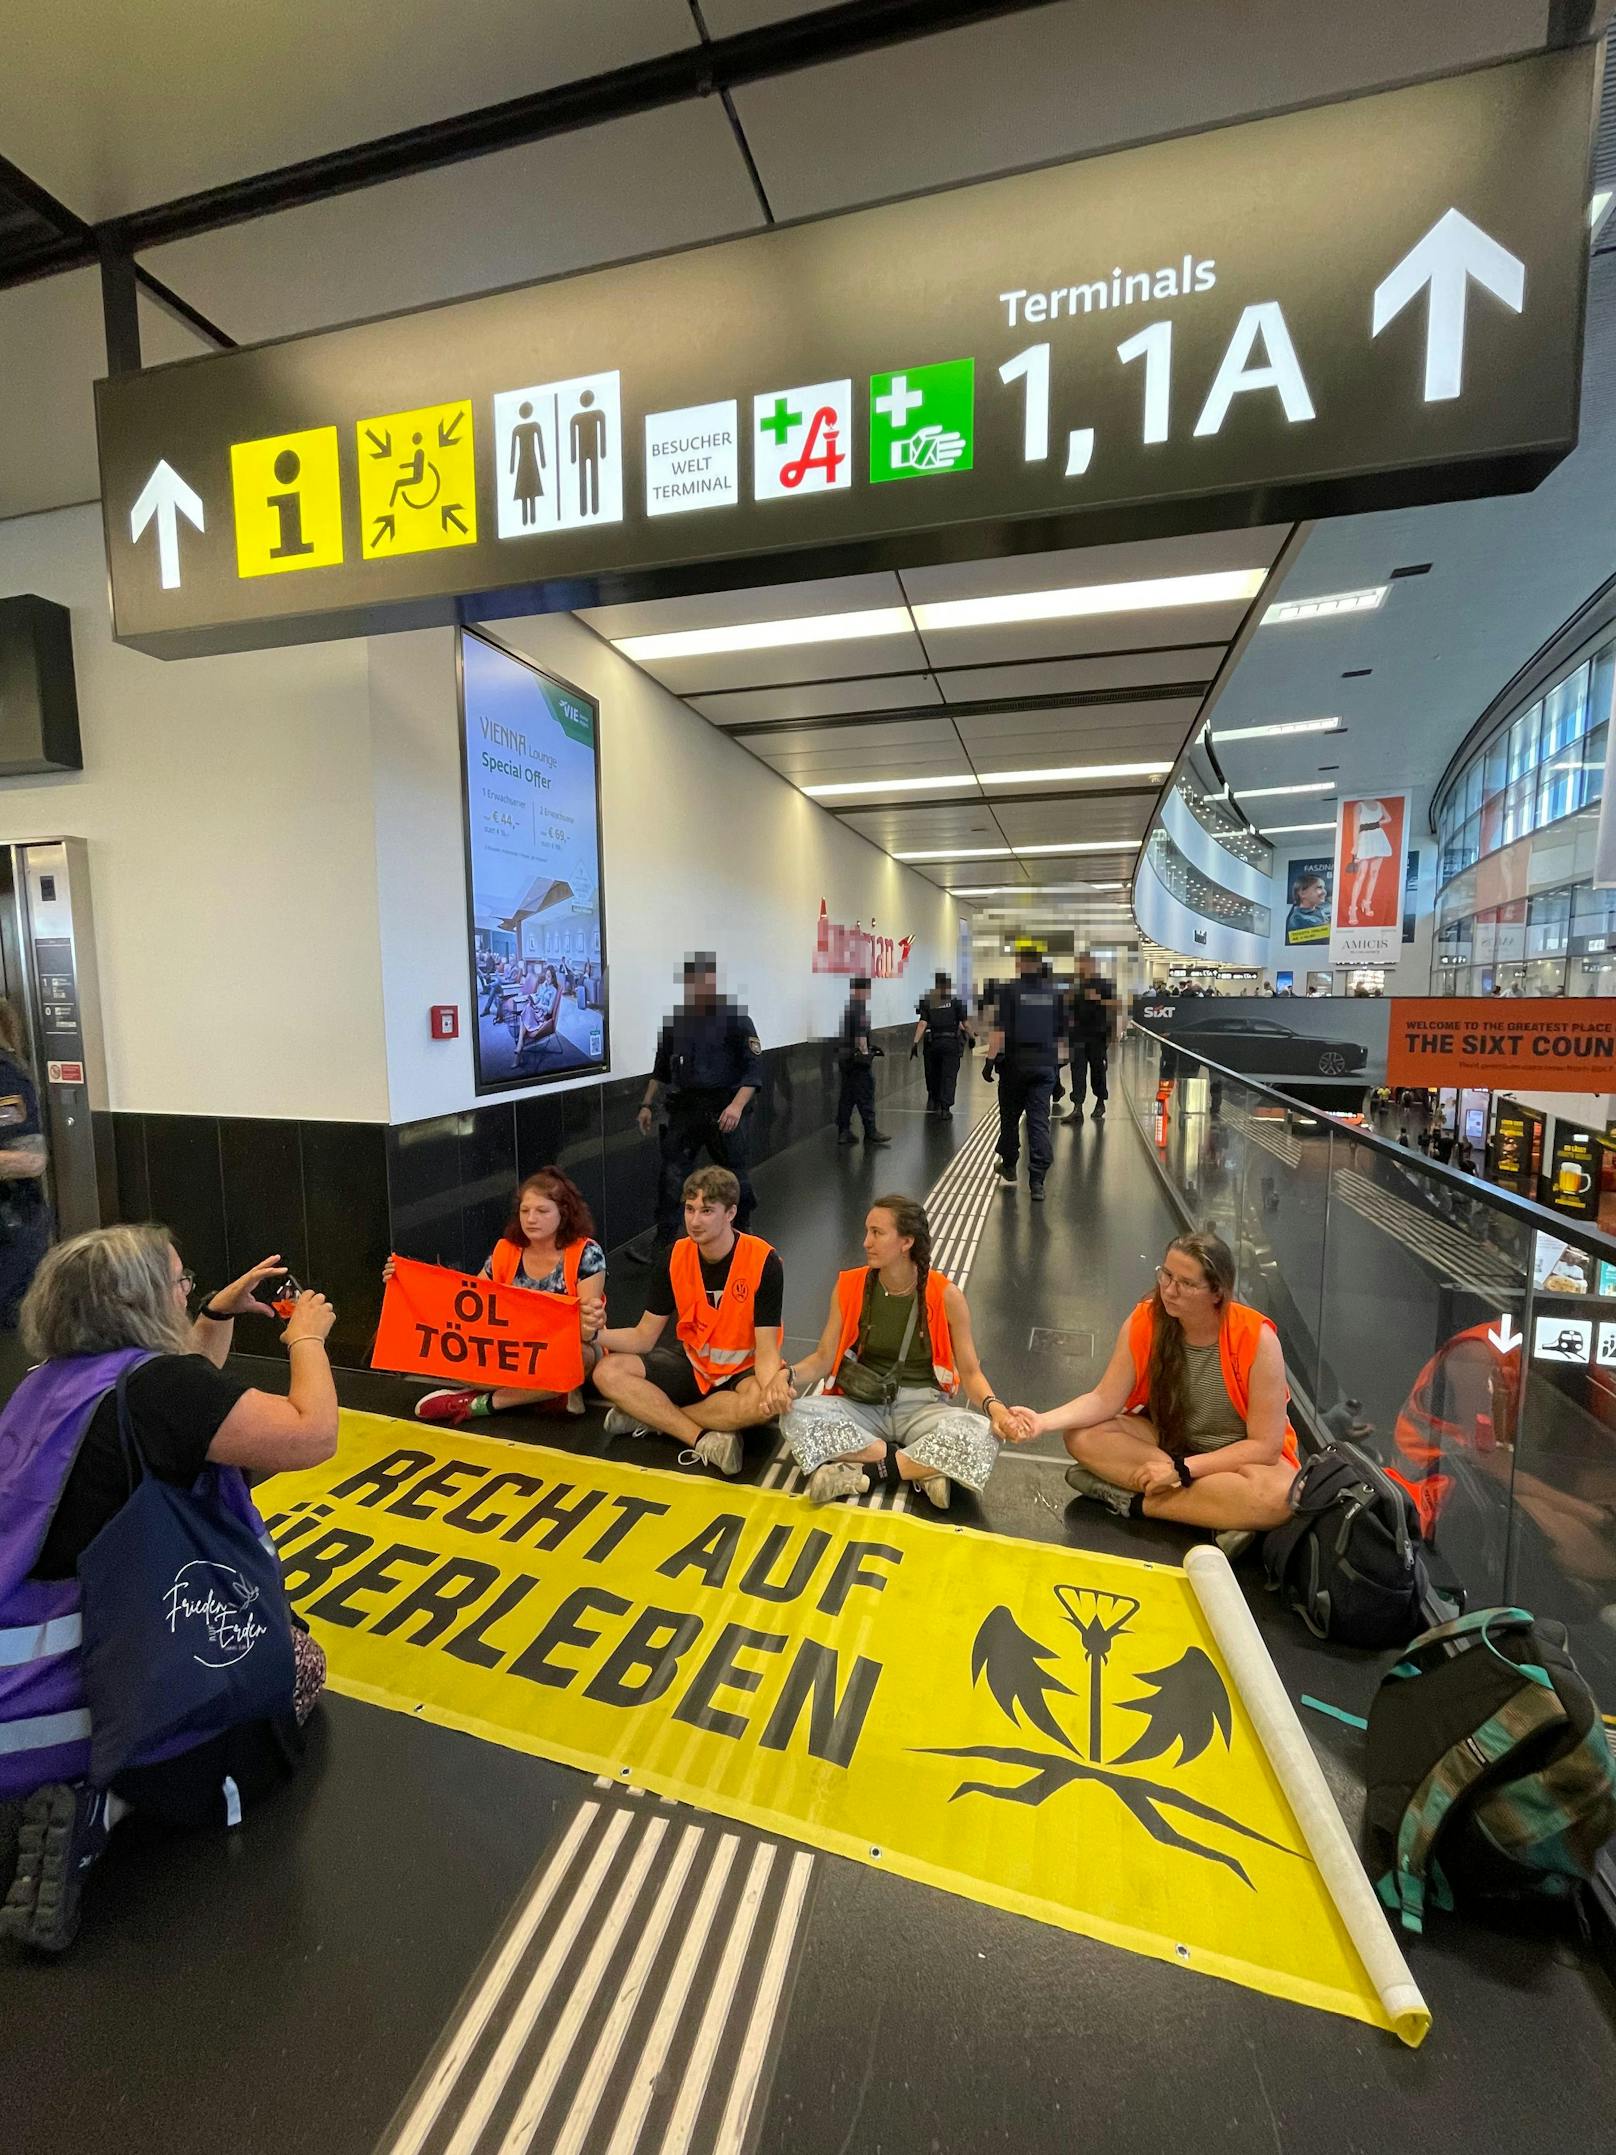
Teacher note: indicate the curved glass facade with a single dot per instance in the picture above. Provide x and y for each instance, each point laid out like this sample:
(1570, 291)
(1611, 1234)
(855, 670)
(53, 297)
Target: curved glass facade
(1515, 830)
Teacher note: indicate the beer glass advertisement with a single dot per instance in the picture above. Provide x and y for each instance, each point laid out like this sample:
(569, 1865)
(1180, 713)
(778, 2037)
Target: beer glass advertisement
(530, 754)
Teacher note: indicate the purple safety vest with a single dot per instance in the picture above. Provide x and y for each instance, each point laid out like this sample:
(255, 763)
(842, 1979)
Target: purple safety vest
(44, 1711)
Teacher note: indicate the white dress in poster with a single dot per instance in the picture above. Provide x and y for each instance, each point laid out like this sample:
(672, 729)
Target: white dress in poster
(558, 455)
(533, 845)
(1366, 926)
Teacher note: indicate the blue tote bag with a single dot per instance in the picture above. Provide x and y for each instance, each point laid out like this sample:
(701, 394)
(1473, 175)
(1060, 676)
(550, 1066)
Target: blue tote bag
(187, 1630)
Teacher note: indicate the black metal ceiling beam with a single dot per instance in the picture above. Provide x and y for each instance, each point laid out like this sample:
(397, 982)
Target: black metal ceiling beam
(810, 40)
(1077, 699)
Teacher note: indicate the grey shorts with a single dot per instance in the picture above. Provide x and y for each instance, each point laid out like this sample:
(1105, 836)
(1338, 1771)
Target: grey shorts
(953, 1440)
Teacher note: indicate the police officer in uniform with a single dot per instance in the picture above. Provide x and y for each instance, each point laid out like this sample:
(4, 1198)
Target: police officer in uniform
(1092, 1005)
(709, 1059)
(1028, 1021)
(940, 1035)
(857, 1061)
(25, 1214)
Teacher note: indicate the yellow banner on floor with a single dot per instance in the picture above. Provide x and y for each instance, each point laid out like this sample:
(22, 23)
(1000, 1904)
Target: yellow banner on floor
(1044, 1729)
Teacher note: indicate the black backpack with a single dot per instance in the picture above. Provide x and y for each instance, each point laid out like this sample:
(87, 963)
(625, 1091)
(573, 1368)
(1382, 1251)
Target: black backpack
(1489, 1771)
(1348, 1560)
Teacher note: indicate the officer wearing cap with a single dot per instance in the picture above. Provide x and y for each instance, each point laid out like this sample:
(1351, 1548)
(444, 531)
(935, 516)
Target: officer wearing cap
(940, 1036)
(1028, 1030)
(858, 1053)
(709, 1060)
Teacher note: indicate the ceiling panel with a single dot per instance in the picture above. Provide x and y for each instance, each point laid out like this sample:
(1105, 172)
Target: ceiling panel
(1050, 822)
(1058, 639)
(819, 662)
(1058, 81)
(739, 707)
(1200, 554)
(1125, 665)
(858, 744)
(660, 180)
(116, 108)
(1080, 722)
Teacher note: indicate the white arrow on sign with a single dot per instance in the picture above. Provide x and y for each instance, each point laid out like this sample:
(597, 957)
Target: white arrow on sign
(167, 497)
(1452, 253)
(1504, 1335)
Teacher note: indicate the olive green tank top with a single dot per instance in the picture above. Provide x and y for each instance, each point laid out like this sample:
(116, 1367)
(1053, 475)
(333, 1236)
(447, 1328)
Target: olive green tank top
(889, 1316)
(1210, 1416)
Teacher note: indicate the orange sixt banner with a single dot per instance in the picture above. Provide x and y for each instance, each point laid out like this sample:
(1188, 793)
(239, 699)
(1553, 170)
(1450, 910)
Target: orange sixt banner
(437, 1323)
(1540, 1044)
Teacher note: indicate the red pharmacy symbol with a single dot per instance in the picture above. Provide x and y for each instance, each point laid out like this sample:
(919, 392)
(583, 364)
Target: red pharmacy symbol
(814, 458)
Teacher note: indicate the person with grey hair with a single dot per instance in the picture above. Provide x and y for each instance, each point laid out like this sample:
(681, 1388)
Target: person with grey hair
(109, 1311)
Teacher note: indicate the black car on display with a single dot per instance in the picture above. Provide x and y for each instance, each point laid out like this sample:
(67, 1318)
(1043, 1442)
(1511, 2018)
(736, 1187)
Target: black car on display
(1261, 1048)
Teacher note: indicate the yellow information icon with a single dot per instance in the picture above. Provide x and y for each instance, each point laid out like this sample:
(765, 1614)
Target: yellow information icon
(288, 500)
(417, 481)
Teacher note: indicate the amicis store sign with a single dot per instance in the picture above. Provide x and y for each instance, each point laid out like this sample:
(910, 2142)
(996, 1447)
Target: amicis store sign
(1546, 1045)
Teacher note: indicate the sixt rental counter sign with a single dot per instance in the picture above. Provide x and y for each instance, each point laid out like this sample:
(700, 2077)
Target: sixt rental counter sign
(1351, 307)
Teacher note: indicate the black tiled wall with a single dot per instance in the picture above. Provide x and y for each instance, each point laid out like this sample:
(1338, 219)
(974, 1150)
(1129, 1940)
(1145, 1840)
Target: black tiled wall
(333, 1198)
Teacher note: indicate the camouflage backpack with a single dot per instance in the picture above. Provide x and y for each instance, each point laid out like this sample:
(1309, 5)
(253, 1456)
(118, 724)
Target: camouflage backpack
(1489, 1769)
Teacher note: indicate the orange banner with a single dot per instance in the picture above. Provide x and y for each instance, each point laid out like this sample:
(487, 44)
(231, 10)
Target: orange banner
(1539, 1044)
(437, 1323)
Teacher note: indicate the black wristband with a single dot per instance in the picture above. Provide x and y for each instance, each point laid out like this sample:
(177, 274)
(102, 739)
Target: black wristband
(1186, 1478)
(216, 1316)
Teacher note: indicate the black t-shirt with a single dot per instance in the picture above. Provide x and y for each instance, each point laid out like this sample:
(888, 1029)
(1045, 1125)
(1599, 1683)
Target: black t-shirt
(767, 1306)
(176, 1403)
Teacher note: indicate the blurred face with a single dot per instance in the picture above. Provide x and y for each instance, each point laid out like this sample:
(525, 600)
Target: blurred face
(705, 1222)
(178, 1278)
(540, 1216)
(702, 989)
(883, 1245)
(1185, 1288)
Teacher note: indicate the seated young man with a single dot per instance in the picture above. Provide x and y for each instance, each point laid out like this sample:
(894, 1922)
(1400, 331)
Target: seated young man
(727, 1292)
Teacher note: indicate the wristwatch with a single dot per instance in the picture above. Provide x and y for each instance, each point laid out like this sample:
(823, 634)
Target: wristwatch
(216, 1316)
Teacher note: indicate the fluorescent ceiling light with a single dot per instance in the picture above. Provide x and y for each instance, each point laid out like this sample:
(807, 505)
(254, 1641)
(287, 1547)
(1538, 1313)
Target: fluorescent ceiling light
(1024, 890)
(1287, 830)
(1597, 208)
(982, 853)
(1280, 731)
(1269, 793)
(842, 789)
(1327, 606)
(767, 635)
(1217, 587)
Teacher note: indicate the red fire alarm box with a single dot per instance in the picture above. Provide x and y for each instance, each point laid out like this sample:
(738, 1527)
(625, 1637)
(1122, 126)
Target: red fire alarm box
(446, 1021)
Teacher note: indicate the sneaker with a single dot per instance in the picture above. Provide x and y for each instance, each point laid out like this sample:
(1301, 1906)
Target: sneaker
(720, 1448)
(1089, 1484)
(1035, 1183)
(876, 1137)
(1235, 1542)
(846, 1137)
(451, 1407)
(840, 1478)
(619, 1424)
(1006, 1177)
(938, 1489)
(64, 1828)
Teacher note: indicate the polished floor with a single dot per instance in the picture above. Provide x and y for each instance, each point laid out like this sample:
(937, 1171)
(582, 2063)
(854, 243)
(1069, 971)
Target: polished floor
(430, 1943)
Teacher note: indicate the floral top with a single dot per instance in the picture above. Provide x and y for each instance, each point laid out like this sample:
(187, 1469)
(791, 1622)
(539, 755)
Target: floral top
(554, 1281)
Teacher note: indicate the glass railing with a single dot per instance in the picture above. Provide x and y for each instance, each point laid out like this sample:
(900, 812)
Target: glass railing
(1463, 1336)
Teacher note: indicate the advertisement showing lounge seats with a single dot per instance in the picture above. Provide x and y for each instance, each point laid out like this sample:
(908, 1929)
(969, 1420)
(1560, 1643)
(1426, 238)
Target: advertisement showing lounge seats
(532, 771)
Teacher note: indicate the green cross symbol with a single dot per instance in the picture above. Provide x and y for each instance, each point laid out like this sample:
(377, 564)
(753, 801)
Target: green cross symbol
(780, 422)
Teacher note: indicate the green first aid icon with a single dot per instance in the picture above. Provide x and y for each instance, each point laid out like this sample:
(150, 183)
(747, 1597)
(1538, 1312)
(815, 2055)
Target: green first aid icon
(921, 421)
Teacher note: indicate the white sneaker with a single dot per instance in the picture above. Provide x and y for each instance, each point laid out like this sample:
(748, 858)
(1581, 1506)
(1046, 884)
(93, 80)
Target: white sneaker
(619, 1424)
(1234, 1541)
(939, 1490)
(720, 1448)
(840, 1478)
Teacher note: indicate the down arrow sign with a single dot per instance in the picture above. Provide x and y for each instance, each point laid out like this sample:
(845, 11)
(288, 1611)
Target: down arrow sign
(1452, 253)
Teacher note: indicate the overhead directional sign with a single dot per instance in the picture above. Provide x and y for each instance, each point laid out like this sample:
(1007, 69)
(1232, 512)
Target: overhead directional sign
(1361, 305)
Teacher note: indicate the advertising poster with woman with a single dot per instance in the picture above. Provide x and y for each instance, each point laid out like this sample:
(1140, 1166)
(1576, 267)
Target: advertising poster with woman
(533, 856)
(1307, 901)
(1366, 921)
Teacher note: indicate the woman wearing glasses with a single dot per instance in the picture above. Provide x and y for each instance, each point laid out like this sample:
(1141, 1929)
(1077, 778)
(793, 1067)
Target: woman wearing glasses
(1188, 1422)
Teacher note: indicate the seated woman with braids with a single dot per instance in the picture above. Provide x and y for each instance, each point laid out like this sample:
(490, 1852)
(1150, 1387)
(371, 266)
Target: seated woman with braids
(1188, 1422)
(900, 1367)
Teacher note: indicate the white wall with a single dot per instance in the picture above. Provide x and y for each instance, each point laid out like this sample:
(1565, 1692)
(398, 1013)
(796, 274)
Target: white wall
(226, 802)
(706, 848)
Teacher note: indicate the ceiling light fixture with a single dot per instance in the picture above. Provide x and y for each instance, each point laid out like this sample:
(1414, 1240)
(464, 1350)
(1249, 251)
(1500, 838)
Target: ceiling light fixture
(1216, 587)
(1327, 606)
(767, 635)
(1269, 793)
(843, 788)
(976, 853)
(1288, 830)
(1024, 890)
(1278, 732)
(1597, 208)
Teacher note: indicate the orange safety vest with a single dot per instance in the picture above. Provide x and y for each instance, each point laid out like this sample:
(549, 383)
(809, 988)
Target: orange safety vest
(850, 1295)
(508, 1256)
(1238, 1336)
(1426, 1438)
(720, 1342)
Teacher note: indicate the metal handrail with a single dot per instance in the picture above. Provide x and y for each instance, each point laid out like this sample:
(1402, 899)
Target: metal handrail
(1525, 1209)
